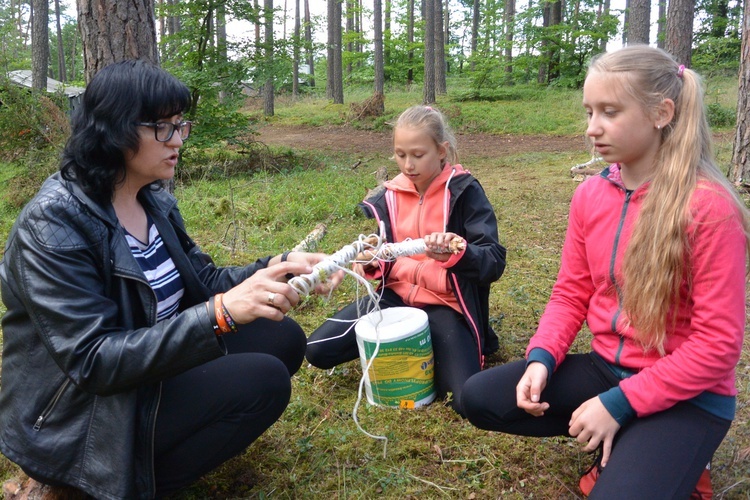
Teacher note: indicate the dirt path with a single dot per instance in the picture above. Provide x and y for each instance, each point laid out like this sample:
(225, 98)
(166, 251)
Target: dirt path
(346, 139)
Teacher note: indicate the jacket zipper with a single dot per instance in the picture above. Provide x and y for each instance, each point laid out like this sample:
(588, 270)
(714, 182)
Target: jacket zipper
(616, 317)
(50, 406)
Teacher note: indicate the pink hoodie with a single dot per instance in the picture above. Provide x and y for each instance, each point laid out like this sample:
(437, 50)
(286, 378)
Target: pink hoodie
(703, 348)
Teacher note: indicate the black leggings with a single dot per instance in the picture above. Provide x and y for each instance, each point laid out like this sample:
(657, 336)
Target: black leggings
(455, 351)
(658, 456)
(212, 412)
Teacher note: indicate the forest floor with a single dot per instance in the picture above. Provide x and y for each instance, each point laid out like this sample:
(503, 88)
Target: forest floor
(348, 140)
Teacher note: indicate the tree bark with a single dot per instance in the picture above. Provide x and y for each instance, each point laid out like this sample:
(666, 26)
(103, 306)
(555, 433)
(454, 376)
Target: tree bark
(474, 32)
(428, 91)
(378, 42)
(296, 49)
(268, 88)
(510, 16)
(116, 30)
(39, 44)
(410, 40)
(61, 74)
(740, 165)
(338, 68)
(330, 48)
(679, 40)
(309, 44)
(441, 86)
(639, 24)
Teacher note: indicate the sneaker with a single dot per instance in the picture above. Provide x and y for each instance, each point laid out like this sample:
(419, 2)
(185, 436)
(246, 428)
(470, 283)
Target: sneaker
(703, 490)
(588, 478)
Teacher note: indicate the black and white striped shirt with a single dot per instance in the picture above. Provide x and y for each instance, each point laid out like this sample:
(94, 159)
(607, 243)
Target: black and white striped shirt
(160, 271)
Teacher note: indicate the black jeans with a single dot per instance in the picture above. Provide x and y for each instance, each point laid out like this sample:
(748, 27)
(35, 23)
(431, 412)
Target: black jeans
(212, 412)
(455, 352)
(658, 456)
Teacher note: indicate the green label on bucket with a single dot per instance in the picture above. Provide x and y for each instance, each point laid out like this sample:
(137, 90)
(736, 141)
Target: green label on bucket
(403, 370)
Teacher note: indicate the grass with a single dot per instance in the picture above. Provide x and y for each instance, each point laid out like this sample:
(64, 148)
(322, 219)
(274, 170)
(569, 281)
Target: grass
(315, 450)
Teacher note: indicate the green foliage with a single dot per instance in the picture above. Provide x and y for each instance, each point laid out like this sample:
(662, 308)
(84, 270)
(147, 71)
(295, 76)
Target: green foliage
(720, 116)
(29, 119)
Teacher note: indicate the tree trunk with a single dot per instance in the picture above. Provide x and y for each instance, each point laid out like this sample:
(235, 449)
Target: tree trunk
(661, 26)
(410, 41)
(268, 97)
(604, 11)
(309, 44)
(113, 31)
(474, 32)
(221, 31)
(378, 42)
(639, 24)
(61, 74)
(387, 40)
(740, 162)
(510, 16)
(257, 24)
(441, 86)
(350, 29)
(679, 40)
(296, 50)
(428, 93)
(338, 68)
(330, 49)
(39, 44)
(626, 23)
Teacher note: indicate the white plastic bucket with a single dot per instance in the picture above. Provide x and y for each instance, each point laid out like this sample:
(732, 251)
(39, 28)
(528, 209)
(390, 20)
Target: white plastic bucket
(402, 372)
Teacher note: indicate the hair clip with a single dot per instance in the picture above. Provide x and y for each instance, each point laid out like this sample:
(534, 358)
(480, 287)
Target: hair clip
(680, 70)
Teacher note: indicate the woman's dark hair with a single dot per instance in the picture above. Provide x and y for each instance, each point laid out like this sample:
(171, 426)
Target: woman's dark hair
(104, 130)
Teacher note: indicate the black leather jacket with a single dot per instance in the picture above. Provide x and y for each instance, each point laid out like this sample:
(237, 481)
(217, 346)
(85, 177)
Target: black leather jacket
(83, 356)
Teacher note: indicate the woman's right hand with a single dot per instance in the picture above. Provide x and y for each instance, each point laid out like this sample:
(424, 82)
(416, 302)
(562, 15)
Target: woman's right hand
(265, 294)
(530, 387)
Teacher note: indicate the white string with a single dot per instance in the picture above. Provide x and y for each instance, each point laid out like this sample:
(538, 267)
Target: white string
(371, 246)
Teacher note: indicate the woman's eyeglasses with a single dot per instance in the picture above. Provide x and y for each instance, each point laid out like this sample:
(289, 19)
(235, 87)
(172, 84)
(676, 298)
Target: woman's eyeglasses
(163, 131)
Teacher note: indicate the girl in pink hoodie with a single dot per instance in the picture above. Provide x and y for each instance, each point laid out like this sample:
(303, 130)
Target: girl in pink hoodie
(654, 262)
(435, 199)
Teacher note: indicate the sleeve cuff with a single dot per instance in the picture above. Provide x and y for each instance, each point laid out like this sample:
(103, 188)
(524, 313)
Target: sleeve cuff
(617, 405)
(454, 258)
(539, 355)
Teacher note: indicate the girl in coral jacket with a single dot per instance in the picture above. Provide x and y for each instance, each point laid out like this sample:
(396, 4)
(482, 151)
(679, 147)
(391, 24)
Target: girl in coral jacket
(654, 262)
(440, 201)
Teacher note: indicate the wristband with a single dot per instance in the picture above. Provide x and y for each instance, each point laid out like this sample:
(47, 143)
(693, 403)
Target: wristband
(212, 316)
(285, 256)
(219, 314)
(228, 318)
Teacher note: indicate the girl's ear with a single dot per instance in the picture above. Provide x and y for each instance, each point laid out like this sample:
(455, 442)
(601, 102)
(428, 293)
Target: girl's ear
(664, 113)
(443, 150)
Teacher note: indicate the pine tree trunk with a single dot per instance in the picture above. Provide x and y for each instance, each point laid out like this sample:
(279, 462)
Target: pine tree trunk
(296, 50)
(39, 44)
(428, 91)
(661, 30)
(639, 25)
(378, 41)
(113, 31)
(740, 162)
(268, 97)
(679, 40)
(309, 44)
(441, 86)
(61, 74)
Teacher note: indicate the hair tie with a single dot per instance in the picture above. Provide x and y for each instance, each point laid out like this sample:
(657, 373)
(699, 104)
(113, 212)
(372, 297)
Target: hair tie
(680, 70)
(429, 108)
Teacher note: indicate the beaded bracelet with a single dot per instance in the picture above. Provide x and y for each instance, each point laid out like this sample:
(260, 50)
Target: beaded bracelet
(228, 318)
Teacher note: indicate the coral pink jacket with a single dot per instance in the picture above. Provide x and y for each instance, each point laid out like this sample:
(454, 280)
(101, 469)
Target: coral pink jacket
(704, 346)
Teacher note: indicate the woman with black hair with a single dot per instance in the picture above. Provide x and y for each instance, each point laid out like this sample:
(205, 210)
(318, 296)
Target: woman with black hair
(132, 365)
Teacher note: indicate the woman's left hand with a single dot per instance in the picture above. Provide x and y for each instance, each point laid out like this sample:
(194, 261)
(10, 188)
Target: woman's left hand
(592, 424)
(439, 245)
(311, 259)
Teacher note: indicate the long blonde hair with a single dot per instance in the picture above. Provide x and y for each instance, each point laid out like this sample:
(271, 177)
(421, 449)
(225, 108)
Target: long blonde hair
(657, 258)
